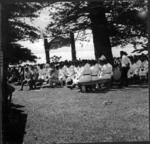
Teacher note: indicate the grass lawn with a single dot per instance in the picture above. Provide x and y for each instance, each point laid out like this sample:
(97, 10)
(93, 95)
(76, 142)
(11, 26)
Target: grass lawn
(61, 115)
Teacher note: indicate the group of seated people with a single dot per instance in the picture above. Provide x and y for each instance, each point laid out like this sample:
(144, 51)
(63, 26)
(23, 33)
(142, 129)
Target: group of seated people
(74, 73)
(138, 69)
(90, 72)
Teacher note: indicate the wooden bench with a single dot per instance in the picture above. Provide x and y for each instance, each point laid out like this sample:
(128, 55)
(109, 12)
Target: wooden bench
(83, 85)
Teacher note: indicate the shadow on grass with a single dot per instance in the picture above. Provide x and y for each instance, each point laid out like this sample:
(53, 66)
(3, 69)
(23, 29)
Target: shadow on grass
(116, 87)
(130, 86)
(135, 142)
(14, 123)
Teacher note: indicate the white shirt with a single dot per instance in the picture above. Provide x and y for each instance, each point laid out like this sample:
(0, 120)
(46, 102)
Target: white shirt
(131, 71)
(86, 70)
(106, 71)
(61, 74)
(125, 61)
(85, 74)
(145, 64)
(139, 63)
(95, 70)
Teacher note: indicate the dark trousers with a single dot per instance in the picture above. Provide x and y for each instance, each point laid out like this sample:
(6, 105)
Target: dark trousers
(124, 76)
(30, 82)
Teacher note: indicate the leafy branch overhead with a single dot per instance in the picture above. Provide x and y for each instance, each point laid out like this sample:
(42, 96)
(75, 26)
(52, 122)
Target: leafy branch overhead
(17, 30)
(123, 20)
(58, 42)
(18, 54)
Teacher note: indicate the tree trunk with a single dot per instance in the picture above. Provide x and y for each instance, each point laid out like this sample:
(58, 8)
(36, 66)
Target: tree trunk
(100, 35)
(46, 50)
(1, 74)
(73, 48)
(4, 71)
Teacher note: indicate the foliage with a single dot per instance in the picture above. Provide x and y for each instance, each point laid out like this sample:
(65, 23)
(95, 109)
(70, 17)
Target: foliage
(18, 54)
(17, 29)
(58, 42)
(123, 21)
(55, 59)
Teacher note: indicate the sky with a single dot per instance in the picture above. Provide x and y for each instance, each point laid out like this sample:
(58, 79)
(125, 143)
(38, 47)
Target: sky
(84, 50)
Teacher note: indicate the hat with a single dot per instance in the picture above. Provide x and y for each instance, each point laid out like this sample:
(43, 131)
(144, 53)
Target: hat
(102, 58)
(47, 65)
(123, 53)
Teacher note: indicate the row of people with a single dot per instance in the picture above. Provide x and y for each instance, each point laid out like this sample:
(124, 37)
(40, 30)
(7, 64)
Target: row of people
(86, 71)
(89, 73)
(83, 73)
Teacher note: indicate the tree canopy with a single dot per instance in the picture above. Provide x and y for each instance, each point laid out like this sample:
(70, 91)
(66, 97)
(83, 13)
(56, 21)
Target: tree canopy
(16, 29)
(18, 54)
(124, 25)
(123, 21)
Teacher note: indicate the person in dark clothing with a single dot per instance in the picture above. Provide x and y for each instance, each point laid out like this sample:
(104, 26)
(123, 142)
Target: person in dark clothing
(27, 78)
(34, 77)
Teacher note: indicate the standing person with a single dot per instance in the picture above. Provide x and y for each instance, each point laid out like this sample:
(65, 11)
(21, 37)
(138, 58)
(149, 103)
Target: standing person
(27, 78)
(61, 76)
(125, 65)
(21, 73)
(53, 80)
(46, 73)
(34, 77)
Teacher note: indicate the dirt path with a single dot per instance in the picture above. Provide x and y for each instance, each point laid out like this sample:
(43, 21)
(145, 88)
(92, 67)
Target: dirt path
(62, 115)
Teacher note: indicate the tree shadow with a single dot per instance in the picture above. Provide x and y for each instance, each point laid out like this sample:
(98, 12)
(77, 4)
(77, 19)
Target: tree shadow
(123, 142)
(101, 90)
(116, 87)
(130, 86)
(14, 123)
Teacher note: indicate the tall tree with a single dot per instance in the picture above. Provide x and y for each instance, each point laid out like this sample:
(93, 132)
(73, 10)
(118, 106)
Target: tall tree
(119, 21)
(47, 50)
(53, 42)
(100, 33)
(73, 48)
(67, 37)
(78, 19)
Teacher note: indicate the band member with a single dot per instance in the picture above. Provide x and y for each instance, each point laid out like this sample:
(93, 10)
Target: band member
(27, 78)
(85, 74)
(95, 71)
(34, 78)
(106, 71)
(54, 77)
(71, 75)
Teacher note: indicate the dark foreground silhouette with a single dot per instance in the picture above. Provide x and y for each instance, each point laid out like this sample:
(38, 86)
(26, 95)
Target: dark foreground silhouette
(14, 122)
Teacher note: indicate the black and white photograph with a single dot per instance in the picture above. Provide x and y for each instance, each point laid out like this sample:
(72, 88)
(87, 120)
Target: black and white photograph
(74, 71)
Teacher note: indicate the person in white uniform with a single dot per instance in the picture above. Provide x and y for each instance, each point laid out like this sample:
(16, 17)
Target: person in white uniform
(106, 71)
(143, 71)
(71, 75)
(95, 70)
(85, 74)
